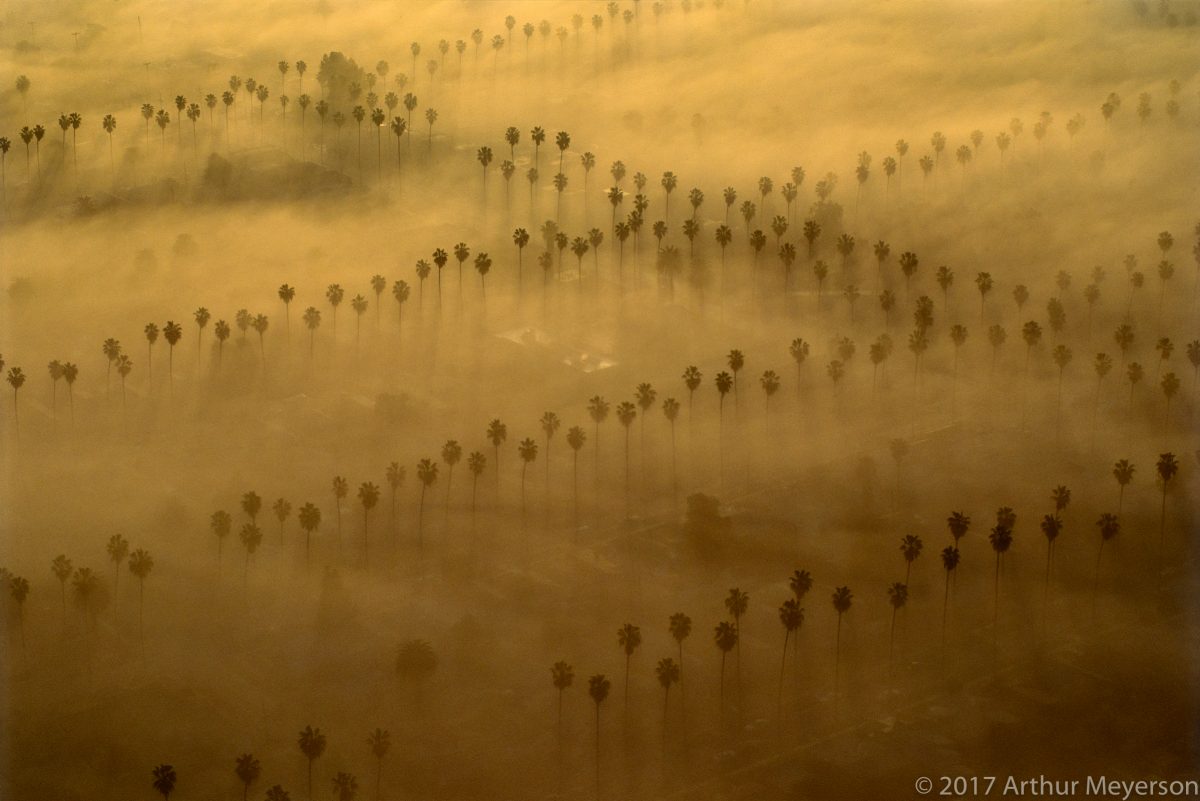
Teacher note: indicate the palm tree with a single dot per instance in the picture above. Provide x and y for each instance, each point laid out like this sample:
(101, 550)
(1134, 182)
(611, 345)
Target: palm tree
(248, 770)
(950, 560)
(345, 786)
(842, 599)
(379, 741)
(310, 520)
(910, 547)
(312, 319)
(164, 780)
(312, 745)
(1123, 472)
(221, 524)
(791, 615)
(140, 565)
(680, 626)
(1051, 526)
(427, 472)
(576, 437)
(368, 496)
(629, 637)
(736, 361)
(726, 636)
(124, 368)
(1167, 468)
(497, 433)
(359, 304)
(341, 488)
(1110, 526)
(1000, 539)
(736, 603)
(172, 332)
(18, 587)
(251, 537)
(668, 673)
(151, 333)
(476, 463)
(528, 450)
(563, 676)
(626, 414)
(282, 510)
(598, 409)
(62, 568)
(117, 548)
(598, 687)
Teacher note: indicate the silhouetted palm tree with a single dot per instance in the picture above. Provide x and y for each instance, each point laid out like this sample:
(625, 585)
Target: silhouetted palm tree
(164, 780)
(563, 676)
(842, 599)
(791, 615)
(528, 450)
(629, 637)
(379, 741)
(248, 770)
(62, 568)
(726, 636)
(1167, 467)
(312, 745)
(626, 414)
(598, 687)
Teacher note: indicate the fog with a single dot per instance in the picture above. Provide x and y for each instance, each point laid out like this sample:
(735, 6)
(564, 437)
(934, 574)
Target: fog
(1007, 332)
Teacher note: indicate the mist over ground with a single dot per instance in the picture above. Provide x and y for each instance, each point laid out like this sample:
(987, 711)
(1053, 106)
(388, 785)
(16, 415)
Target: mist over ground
(811, 410)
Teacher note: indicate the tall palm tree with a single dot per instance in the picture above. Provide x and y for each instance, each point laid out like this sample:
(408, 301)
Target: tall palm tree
(451, 455)
(1123, 472)
(1110, 526)
(950, 560)
(310, 520)
(368, 496)
(117, 548)
(140, 565)
(576, 437)
(202, 316)
(251, 537)
(283, 510)
(395, 478)
(736, 603)
(1000, 538)
(341, 488)
(1167, 468)
(379, 741)
(726, 637)
(164, 780)
(791, 615)
(497, 434)
(598, 687)
(724, 383)
(427, 472)
(528, 450)
(910, 547)
(563, 676)
(345, 786)
(842, 599)
(151, 333)
(62, 568)
(476, 463)
(680, 626)
(248, 769)
(312, 745)
(18, 588)
(667, 672)
(598, 409)
(312, 320)
(221, 524)
(626, 414)
(172, 332)
(629, 637)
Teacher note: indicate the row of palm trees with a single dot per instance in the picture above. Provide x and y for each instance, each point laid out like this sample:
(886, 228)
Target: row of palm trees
(416, 660)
